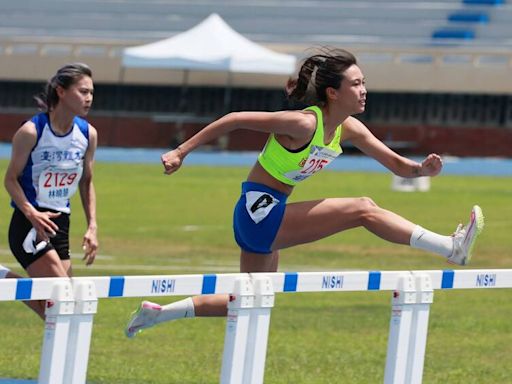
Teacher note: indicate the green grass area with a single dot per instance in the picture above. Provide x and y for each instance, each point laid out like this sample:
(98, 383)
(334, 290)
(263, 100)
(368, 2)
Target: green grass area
(155, 224)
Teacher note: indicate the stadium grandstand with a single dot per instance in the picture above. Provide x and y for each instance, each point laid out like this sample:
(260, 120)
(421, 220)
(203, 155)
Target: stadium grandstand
(439, 73)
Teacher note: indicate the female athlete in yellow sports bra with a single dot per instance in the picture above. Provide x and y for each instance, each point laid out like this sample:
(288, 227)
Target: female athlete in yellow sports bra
(300, 144)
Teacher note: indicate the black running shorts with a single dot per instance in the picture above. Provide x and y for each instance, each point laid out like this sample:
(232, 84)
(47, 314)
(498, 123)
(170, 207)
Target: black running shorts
(19, 229)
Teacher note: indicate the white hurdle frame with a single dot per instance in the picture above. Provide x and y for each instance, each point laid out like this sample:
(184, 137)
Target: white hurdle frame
(72, 303)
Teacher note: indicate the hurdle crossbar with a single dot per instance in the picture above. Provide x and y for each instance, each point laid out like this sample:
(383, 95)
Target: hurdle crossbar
(72, 303)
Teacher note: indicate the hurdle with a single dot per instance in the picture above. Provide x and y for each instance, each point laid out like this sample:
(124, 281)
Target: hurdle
(72, 303)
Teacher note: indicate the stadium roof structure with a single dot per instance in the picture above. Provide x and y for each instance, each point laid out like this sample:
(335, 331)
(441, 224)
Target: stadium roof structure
(211, 45)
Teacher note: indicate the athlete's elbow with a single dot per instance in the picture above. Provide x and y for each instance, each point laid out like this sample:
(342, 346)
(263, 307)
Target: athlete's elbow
(233, 117)
(231, 121)
(9, 181)
(85, 182)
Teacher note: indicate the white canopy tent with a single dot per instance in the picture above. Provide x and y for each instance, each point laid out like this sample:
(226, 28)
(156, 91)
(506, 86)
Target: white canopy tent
(212, 45)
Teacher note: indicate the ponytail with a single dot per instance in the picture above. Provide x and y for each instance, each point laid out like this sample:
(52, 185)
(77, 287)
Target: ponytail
(319, 72)
(296, 89)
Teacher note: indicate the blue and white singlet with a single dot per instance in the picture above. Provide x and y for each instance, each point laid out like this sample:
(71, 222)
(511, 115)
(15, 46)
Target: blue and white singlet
(55, 165)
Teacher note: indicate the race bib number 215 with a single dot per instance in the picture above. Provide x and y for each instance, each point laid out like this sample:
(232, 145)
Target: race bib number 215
(317, 160)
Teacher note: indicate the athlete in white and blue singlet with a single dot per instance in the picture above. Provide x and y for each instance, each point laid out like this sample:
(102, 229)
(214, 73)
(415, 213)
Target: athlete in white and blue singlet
(52, 158)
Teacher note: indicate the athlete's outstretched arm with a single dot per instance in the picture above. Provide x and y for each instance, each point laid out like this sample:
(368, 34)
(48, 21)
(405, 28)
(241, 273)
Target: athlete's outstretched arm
(362, 138)
(294, 124)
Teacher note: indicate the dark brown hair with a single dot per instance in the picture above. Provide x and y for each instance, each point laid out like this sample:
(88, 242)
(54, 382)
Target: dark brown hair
(65, 77)
(319, 72)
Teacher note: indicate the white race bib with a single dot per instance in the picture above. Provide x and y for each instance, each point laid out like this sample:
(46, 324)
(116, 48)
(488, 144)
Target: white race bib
(58, 184)
(318, 158)
(259, 204)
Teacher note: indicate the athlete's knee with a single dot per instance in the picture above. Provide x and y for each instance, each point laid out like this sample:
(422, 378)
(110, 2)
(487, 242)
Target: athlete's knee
(366, 205)
(367, 209)
(367, 202)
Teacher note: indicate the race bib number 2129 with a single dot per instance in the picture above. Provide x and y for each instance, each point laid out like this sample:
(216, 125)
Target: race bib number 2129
(58, 184)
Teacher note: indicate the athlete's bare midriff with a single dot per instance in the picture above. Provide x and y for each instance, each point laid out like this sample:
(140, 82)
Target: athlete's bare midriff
(259, 175)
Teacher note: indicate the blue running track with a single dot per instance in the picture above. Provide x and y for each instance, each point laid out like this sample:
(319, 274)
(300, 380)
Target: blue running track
(477, 166)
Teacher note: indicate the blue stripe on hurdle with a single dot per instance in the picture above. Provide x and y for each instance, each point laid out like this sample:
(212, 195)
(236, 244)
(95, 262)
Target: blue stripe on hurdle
(116, 288)
(23, 289)
(374, 281)
(447, 281)
(290, 282)
(209, 282)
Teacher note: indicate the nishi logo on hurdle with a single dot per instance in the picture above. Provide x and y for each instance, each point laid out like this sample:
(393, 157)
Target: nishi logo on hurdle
(72, 303)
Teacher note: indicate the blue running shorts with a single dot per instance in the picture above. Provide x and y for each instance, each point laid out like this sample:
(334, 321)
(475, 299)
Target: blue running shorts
(258, 216)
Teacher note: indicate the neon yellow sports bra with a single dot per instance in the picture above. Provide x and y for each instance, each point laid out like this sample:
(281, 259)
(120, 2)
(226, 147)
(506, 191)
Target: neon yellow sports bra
(292, 167)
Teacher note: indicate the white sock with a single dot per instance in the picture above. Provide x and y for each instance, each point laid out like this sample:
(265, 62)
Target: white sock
(422, 238)
(176, 310)
(3, 271)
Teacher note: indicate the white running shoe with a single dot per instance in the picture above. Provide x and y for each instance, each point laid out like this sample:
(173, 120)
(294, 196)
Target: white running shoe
(465, 236)
(3, 271)
(142, 318)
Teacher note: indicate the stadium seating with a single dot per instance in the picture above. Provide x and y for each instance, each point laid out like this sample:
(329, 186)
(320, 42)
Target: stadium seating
(329, 22)
(436, 62)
